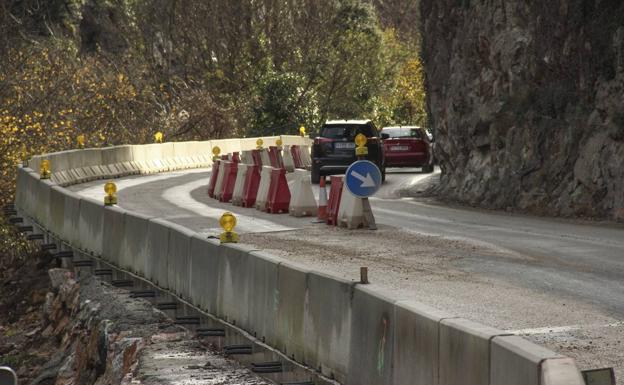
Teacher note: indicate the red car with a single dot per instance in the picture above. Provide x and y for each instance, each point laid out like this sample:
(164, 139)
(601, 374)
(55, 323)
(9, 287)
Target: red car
(407, 146)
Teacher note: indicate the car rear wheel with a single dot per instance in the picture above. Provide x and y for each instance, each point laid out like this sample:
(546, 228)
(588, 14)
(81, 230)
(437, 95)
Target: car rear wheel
(315, 175)
(383, 174)
(427, 169)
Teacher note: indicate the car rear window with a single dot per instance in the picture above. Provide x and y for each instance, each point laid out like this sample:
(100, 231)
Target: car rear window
(348, 131)
(401, 132)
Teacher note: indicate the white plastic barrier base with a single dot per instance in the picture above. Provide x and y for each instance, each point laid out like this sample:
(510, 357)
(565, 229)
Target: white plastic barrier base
(350, 212)
(264, 157)
(305, 156)
(237, 194)
(263, 188)
(289, 162)
(302, 201)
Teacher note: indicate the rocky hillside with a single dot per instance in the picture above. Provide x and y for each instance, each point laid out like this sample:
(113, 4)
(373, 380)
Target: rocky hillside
(527, 101)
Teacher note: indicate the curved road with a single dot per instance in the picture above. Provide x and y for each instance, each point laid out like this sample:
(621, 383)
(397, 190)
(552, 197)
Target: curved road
(582, 262)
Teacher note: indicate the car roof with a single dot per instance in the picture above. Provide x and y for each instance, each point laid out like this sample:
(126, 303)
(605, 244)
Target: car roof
(345, 121)
(409, 127)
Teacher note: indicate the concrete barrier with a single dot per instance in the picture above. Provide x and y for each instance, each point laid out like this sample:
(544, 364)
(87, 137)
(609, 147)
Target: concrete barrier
(57, 211)
(465, 352)
(21, 177)
(296, 140)
(178, 260)
(561, 371)
(113, 234)
(34, 163)
(229, 146)
(42, 215)
(372, 338)
(90, 226)
(516, 361)
(327, 325)
(133, 251)
(30, 197)
(250, 143)
(86, 157)
(264, 296)
(292, 288)
(157, 243)
(416, 345)
(61, 161)
(117, 154)
(183, 152)
(204, 272)
(345, 330)
(71, 218)
(235, 284)
(263, 188)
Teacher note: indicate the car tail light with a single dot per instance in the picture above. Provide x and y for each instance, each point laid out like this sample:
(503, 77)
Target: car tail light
(321, 140)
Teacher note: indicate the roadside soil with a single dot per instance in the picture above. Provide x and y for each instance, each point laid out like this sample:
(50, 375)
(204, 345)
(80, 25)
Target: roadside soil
(57, 329)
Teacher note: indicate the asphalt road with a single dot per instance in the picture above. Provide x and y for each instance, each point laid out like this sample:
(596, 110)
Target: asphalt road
(581, 260)
(557, 282)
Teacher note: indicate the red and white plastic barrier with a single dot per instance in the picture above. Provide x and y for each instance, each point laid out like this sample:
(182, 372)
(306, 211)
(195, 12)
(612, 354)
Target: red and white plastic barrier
(278, 197)
(263, 188)
(333, 204)
(241, 176)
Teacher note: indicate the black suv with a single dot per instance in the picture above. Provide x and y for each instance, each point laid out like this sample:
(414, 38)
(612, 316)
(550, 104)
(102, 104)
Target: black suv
(333, 150)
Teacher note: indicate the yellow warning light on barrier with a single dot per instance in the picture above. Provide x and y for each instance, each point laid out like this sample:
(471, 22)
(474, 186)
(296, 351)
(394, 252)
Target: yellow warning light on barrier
(44, 169)
(360, 142)
(228, 222)
(279, 143)
(259, 144)
(110, 189)
(215, 152)
(302, 131)
(158, 137)
(80, 139)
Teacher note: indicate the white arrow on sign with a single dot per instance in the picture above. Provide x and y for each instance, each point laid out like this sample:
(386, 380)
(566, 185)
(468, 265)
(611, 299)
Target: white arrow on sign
(367, 181)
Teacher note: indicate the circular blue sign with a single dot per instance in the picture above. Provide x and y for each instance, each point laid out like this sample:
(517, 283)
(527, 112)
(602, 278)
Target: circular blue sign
(363, 178)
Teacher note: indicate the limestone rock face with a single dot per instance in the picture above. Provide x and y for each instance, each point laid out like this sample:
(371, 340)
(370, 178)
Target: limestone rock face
(526, 99)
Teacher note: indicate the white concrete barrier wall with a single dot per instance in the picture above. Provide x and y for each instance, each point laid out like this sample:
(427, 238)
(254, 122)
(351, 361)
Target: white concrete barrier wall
(71, 218)
(327, 325)
(204, 273)
(372, 338)
(157, 243)
(113, 234)
(264, 297)
(465, 352)
(133, 251)
(416, 343)
(90, 226)
(234, 284)
(178, 260)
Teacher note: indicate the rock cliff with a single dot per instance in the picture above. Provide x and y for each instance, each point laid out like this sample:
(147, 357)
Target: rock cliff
(527, 102)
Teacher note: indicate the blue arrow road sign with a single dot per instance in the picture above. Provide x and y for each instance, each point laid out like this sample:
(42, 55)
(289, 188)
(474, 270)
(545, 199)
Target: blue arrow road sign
(363, 178)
